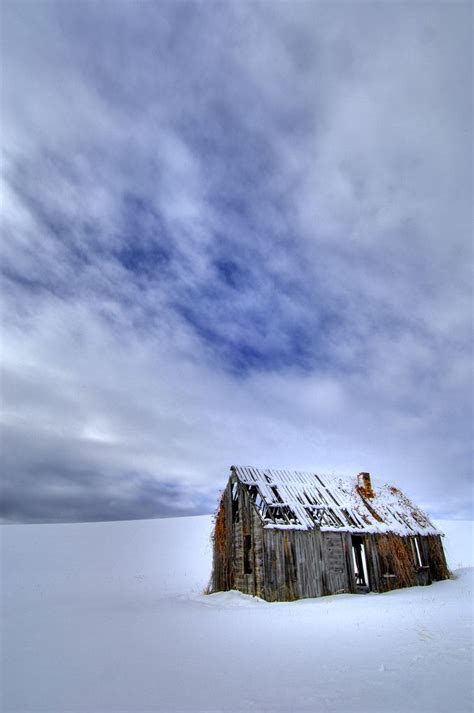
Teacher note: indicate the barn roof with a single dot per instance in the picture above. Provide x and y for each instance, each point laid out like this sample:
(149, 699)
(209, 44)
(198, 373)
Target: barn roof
(292, 500)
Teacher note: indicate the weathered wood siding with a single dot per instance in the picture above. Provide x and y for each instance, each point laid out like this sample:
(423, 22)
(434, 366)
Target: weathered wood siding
(248, 548)
(338, 571)
(373, 562)
(292, 563)
(238, 544)
(300, 564)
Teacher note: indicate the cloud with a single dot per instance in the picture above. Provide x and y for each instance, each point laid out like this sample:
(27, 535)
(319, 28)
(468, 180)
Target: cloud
(233, 234)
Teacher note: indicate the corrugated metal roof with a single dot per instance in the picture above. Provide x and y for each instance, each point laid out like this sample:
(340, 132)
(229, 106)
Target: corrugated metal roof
(298, 500)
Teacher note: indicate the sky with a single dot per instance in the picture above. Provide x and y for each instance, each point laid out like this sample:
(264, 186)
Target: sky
(233, 233)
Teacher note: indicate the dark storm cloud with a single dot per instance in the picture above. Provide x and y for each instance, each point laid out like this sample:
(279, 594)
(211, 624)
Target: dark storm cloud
(233, 233)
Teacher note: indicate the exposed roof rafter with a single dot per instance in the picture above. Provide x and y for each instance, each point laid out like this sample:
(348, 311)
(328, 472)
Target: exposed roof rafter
(303, 501)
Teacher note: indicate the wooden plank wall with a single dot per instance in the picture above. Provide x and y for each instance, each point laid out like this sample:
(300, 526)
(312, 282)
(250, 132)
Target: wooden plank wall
(292, 563)
(338, 574)
(249, 525)
(301, 564)
(373, 562)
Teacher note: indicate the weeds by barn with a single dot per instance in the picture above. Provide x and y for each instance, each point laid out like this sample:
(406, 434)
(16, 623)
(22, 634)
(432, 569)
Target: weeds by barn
(284, 535)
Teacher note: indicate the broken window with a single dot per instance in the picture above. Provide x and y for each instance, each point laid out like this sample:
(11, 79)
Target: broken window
(247, 560)
(416, 550)
(235, 503)
(360, 562)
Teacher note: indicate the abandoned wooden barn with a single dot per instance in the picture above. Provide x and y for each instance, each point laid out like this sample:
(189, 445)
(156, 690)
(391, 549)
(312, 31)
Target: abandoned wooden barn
(286, 535)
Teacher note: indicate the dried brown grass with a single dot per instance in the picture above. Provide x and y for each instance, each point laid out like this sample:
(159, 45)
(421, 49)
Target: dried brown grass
(220, 578)
(438, 564)
(396, 557)
(219, 534)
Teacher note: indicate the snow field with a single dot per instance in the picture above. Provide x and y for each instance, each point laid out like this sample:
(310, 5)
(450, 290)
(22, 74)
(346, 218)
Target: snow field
(110, 617)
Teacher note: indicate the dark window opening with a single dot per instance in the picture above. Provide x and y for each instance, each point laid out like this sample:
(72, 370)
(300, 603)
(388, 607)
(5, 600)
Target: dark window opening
(235, 503)
(247, 560)
(360, 562)
(417, 552)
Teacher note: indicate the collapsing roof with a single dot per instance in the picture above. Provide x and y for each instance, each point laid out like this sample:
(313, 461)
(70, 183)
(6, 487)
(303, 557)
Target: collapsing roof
(302, 501)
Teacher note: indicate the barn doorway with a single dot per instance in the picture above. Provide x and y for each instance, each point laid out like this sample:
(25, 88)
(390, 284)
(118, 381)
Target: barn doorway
(360, 564)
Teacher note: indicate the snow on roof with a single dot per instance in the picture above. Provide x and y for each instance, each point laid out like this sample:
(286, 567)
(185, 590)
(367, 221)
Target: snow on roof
(293, 500)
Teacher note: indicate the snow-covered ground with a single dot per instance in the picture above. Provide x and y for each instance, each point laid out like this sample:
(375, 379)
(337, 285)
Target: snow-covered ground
(110, 617)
